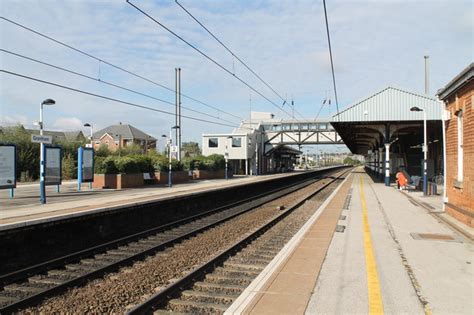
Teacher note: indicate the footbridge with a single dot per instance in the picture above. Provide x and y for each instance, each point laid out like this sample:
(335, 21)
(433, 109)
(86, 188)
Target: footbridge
(299, 132)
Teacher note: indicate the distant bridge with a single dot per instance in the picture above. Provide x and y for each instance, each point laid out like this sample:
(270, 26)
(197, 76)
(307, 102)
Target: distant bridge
(297, 132)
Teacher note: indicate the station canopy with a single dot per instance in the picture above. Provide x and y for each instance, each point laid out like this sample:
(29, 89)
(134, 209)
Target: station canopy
(382, 116)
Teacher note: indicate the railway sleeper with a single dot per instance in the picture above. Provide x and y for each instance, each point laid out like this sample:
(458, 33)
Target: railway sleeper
(24, 288)
(196, 307)
(79, 267)
(66, 274)
(235, 264)
(92, 262)
(236, 272)
(216, 287)
(225, 279)
(45, 280)
(120, 253)
(208, 297)
(7, 300)
(262, 256)
(252, 261)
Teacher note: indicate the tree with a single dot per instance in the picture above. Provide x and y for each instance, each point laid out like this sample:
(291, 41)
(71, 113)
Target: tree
(28, 157)
(190, 149)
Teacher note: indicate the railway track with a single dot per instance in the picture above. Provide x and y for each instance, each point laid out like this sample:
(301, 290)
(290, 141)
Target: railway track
(214, 285)
(28, 287)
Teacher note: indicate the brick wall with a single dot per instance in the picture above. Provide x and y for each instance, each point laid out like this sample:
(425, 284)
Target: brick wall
(460, 195)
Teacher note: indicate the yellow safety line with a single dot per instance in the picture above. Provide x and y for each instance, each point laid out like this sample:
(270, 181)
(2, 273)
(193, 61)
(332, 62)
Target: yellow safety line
(373, 283)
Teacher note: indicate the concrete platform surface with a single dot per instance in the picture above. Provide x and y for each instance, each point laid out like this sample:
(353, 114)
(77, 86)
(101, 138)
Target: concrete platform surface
(427, 273)
(25, 208)
(393, 257)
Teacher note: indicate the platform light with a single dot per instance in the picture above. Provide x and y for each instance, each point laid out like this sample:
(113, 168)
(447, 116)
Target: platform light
(47, 101)
(91, 131)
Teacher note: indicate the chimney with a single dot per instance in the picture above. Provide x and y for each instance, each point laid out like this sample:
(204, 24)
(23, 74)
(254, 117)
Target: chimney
(427, 86)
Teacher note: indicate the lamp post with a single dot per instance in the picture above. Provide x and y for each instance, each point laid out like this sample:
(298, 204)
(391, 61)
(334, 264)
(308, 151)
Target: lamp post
(91, 130)
(166, 144)
(226, 156)
(425, 149)
(42, 166)
(170, 182)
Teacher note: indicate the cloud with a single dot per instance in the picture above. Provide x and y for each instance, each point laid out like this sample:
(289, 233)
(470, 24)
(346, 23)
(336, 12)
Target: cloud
(375, 44)
(68, 123)
(13, 120)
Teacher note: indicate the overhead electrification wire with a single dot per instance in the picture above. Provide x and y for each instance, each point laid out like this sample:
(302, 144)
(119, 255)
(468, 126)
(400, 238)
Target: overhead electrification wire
(207, 57)
(116, 67)
(110, 98)
(236, 57)
(232, 53)
(108, 83)
(330, 55)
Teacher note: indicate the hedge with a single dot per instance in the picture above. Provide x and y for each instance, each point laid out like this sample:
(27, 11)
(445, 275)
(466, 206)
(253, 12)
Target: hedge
(131, 164)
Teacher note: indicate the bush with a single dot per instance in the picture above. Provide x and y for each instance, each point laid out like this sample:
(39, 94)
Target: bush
(188, 163)
(212, 162)
(133, 149)
(161, 164)
(132, 164)
(69, 169)
(102, 151)
(127, 165)
(218, 161)
(105, 165)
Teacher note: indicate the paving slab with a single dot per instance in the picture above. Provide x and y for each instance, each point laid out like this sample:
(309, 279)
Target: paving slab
(416, 275)
(285, 285)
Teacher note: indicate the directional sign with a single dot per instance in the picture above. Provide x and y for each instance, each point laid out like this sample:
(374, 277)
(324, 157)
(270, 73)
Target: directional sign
(41, 139)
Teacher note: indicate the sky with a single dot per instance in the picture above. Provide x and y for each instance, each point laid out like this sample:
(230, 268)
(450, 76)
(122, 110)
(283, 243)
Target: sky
(375, 44)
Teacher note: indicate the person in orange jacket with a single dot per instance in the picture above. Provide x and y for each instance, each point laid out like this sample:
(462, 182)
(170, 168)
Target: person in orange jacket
(402, 181)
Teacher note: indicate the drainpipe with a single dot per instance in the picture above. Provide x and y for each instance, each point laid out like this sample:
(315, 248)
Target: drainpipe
(443, 121)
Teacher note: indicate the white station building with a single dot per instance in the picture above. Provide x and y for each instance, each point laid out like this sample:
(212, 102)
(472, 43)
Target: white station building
(261, 144)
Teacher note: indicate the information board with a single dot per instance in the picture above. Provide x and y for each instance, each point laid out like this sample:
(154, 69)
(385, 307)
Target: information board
(7, 166)
(52, 165)
(88, 165)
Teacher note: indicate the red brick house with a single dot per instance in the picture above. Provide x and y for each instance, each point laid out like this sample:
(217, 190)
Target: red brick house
(458, 97)
(122, 135)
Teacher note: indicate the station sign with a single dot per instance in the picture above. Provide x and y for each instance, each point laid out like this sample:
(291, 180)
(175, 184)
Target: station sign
(41, 139)
(53, 163)
(7, 166)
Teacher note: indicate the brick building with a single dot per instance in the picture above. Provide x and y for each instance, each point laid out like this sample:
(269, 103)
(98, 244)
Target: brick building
(458, 97)
(122, 135)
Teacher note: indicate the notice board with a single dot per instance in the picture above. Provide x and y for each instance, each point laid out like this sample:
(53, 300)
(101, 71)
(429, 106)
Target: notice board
(52, 165)
(7, 166)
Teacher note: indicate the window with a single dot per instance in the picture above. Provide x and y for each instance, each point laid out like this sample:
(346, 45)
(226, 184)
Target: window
(236, 142)
(213, 143)
(460, 145)
(323, 126)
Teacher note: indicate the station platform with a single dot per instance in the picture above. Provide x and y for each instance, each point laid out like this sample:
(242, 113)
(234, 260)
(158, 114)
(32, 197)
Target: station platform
(367, 249)
(25, 208)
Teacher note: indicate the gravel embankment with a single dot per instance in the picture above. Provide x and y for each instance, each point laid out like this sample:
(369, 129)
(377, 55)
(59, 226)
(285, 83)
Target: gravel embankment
(131, 285)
